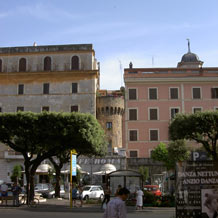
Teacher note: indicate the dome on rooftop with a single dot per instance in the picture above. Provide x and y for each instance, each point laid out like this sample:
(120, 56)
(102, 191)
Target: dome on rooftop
(190, 57)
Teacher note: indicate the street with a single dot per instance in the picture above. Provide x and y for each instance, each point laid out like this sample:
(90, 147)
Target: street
(20, 213)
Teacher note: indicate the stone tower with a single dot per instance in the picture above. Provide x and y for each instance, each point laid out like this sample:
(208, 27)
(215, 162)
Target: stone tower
(110, 110)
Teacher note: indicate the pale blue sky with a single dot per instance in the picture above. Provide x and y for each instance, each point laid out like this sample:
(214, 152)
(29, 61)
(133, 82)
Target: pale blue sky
(120, 30)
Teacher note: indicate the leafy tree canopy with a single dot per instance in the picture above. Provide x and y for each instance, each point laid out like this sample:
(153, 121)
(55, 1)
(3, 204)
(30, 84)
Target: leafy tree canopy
(169, 155)
(36, 133)
(200, 127)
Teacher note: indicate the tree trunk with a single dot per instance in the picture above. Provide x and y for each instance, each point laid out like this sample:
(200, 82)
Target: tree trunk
(57, 185)
(32, 187)
(27, 172)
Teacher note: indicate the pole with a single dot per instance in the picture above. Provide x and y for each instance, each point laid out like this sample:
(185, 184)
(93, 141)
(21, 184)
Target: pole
(71, 184)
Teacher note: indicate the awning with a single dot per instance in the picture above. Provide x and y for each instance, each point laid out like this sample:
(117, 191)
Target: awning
(106, 169)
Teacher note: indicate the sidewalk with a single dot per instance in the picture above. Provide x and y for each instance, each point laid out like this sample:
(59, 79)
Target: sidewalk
(63, 205)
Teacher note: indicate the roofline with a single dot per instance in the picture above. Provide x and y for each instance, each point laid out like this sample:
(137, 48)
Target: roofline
(46, 48)
(170, 69)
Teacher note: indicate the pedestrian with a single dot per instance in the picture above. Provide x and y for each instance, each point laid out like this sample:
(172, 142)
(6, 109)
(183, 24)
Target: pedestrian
(74, 195)
(80, 191)
(211, 203)
(107, 193)
(16, 190)
(139, 199)
(4, 193)
(117, 191)
(116, 207)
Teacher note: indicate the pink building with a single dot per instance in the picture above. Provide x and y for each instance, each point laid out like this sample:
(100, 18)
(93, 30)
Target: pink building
(155, 95)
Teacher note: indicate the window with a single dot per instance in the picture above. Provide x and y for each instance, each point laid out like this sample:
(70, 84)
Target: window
(109, 125)
(214, 92)
(196, 93)
(152, 93)
(173, 112)
(74, 108)
(132, 94)
(153, 114)
(20, 89)
(46, 88)
(133, 153)
(1, 65)
(153, 135)
(20, 109)
(0, 109)
(174, 93)
(197, 110)
(47, 64)
(75, 63)
(74, 87)
(133, 135)
(45, 108)
(22, 65)
(132, 114)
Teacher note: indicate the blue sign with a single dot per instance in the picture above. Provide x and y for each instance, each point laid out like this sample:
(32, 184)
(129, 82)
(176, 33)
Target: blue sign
(73, 166)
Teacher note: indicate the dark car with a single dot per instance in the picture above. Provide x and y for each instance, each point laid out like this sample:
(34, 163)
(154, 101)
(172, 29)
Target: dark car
(50, 193)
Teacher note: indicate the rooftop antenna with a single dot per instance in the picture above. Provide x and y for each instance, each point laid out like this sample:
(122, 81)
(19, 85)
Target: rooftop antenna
(121, 71)
(189, 50)
(152, 61)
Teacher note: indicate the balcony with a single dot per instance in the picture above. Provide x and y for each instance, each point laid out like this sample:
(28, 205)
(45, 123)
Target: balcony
(13, 155)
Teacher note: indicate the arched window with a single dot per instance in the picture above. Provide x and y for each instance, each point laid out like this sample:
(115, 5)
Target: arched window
(47, 64)
(75, 63)
(22, 65)
(0, 65)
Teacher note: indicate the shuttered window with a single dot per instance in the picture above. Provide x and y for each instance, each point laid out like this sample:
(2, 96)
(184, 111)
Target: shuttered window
(153, 112)
(153, 135)
(132, 94)
(152, 93)
(74, 108)
(174, 93)
(132, 114)
(214, 92)
(133, 153)
(133, 135)
(22, 65)
(196, 93)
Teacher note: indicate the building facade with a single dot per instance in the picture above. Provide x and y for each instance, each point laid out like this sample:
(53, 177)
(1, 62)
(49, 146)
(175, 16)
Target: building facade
(155, 95)
(60, 78)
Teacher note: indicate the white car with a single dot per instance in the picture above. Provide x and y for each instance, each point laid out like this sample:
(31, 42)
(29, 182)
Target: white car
(92, 192)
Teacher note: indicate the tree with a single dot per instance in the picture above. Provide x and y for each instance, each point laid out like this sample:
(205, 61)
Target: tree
(16, 173)
(144, 172)
(169, 155)
(200, 127)
(39, 136)
(175, 151)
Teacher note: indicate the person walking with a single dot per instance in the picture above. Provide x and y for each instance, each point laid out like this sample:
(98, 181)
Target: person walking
(4, 193)
(139, 199)
(107, 193)
(80, 190)
(117, 191)
(74, 195)
(16, 190)
(116, 207)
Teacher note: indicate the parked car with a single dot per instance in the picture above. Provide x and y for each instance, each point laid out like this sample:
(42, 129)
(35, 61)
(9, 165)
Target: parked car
(51, 193)
(154, 189)
(93, 192)
(43, 187)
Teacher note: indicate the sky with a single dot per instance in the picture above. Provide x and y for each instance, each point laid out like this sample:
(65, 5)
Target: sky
(149, 33)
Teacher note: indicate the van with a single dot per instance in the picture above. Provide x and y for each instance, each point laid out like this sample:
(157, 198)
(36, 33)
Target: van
(154, 189)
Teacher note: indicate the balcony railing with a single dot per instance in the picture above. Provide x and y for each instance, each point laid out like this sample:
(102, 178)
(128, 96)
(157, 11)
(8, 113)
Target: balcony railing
(12, 155)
